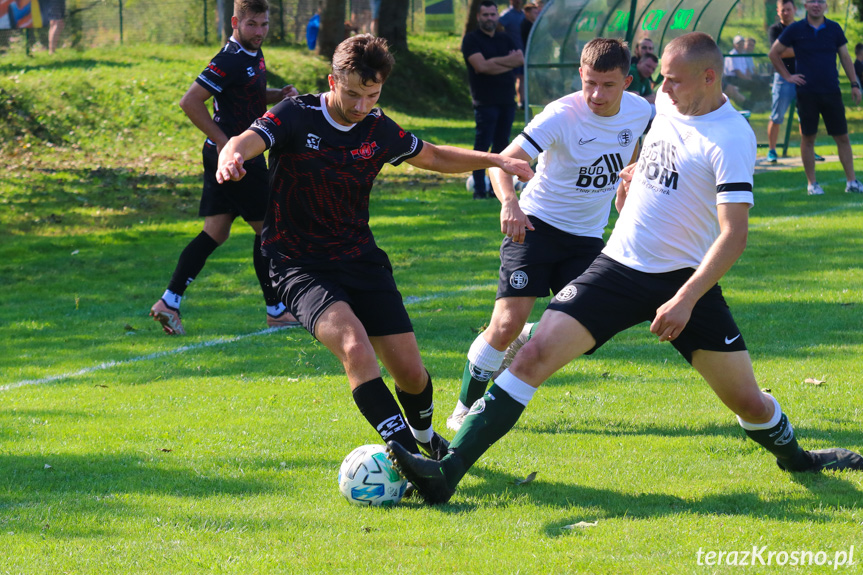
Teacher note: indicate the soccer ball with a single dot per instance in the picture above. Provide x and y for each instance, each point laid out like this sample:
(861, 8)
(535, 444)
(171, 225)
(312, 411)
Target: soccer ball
(367, 477)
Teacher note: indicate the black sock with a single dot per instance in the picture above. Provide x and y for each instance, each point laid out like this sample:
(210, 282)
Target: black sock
(191, 262)
(379, 407)
(262, 270)
(490, 418)
(781, 442)
(418, 407)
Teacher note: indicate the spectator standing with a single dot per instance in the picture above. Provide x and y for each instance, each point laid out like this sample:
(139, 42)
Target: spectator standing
(511, 20)
(816, 42)
(313, 28)
(237, 78)
(783, 91)
(55, 13)
(858, 61)
(491, 56)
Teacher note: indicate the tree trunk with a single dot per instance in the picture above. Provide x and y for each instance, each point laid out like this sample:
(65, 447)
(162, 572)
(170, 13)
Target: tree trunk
(226, 10)
(332, 30)
(393, 23)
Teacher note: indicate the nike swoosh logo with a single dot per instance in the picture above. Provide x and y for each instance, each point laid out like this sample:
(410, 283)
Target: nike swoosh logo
(582, 142)
(732, 340)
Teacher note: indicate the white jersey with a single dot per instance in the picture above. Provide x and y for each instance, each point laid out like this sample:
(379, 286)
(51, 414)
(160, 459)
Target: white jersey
(580, 157)
(689, 165)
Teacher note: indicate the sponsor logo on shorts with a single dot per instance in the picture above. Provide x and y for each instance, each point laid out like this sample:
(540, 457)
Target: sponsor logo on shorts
(624, 138)
(313, 141)
(566, 293)
(518, 279)
(729, 341)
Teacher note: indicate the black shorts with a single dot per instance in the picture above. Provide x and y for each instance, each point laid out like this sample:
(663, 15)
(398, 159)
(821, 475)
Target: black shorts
(547, 260)
(366, 284)
(610, 297)
(247, 198)
(828, 106)
(53, 9)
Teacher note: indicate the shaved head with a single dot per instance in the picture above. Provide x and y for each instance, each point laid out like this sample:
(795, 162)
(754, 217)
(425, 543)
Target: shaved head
(698, 49)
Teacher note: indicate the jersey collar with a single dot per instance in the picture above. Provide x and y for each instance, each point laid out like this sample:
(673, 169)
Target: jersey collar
(329, 118)
(240, 46)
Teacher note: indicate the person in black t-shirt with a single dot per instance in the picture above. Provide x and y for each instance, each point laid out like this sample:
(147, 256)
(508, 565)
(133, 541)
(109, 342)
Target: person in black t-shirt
(325, 152)
(237, 80)
(491, 56)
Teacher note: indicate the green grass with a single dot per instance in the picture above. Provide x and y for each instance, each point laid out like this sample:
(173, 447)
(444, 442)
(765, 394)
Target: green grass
(218, 452)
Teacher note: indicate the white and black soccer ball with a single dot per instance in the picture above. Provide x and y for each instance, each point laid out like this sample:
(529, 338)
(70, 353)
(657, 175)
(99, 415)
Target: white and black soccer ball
(367, 477)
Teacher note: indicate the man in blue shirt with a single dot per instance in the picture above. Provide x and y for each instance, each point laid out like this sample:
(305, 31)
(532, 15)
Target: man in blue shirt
(816, 42)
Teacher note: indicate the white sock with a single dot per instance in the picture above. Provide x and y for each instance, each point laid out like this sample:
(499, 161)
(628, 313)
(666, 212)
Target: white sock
(484, 356)
(276, 310)
(422, 435)
(777, 415)
(460, 408)
(173, 300)
(517, 389)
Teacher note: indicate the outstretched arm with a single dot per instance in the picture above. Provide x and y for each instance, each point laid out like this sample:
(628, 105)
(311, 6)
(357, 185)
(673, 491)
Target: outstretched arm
(452, 160)
(673, 315)
(240, 148)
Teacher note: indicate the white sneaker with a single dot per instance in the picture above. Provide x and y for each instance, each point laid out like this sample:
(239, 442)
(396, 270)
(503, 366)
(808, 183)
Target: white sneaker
(854, 187)
(455, 421)
(815, 190)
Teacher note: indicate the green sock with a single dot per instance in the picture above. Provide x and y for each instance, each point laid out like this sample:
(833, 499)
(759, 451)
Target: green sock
(781, 442)
(488, 421)
(471, 387)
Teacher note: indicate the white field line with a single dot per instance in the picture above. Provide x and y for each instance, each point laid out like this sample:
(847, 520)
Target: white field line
(183, 349)
(408, 301)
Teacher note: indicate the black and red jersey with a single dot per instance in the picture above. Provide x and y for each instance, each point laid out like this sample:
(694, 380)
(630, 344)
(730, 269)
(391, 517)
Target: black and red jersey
(237, 79)
(321, 176)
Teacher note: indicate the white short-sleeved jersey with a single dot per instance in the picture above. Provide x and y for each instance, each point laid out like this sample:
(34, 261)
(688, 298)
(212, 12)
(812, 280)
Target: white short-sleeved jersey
(688, 165)
(580, 157)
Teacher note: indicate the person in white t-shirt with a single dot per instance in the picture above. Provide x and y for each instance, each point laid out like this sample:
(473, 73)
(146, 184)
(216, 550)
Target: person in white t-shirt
(554, 231)
(683, 226)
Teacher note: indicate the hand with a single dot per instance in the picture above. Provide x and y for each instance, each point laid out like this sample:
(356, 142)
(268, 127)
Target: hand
(626, 175)
(289, 91)
(516, 167)
(798, 79)
(230, 168)
(513, 222)
(671, 318)
(855, 95)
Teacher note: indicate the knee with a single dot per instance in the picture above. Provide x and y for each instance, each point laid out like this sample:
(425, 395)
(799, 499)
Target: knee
(756, 408)
(357, 353)
(502, 332)
(413, 379)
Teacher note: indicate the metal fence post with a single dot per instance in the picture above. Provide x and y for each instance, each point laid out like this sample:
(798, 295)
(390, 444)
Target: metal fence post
(206, 38)
(121, 22)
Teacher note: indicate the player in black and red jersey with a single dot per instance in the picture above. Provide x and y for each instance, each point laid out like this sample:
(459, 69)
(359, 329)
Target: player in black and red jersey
(237, 80)
(325, 152)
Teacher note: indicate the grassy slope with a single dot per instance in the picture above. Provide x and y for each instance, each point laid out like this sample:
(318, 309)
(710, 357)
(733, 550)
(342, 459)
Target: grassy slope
(222, 458)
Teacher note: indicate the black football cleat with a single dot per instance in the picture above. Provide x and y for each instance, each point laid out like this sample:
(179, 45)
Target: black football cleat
(437, 448)
(834, 458)
(425, 474)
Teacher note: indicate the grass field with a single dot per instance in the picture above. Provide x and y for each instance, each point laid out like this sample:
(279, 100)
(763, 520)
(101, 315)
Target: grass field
(124, 450)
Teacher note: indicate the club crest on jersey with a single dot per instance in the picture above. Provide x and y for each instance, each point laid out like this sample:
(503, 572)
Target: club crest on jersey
(566, 293)
(366, 151)
(313, 141)
(624, 138)
(518, 280)
(250, 72)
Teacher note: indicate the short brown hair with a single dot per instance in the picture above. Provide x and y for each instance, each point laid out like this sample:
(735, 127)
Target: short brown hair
(366, 55)
(606, 54)
(697, 47)
(243, 8)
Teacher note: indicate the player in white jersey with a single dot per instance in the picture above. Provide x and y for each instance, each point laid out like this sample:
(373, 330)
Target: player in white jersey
(684, 224)
(554, 231)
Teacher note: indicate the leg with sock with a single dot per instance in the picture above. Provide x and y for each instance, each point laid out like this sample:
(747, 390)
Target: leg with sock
(482, 361)
(419, 409)
(489, 419)
(777, 436)
(277, 312)
(379, 407)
